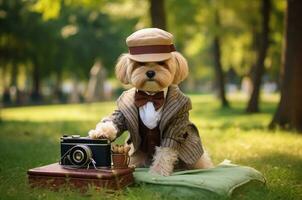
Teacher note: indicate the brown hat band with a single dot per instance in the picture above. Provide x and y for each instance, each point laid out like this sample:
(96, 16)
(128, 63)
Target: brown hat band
(152, 49)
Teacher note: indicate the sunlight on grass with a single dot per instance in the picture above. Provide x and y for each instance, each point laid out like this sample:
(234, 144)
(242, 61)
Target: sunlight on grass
(59, 112)
(29, 137)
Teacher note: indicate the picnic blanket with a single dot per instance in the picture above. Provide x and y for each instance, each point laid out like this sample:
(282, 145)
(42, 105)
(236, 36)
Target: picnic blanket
(202, 183)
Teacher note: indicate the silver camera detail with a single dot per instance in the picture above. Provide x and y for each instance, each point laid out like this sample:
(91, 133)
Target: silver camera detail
(80, 155)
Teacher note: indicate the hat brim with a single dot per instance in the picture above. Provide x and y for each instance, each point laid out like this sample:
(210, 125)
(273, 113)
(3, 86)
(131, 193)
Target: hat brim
(152, 57)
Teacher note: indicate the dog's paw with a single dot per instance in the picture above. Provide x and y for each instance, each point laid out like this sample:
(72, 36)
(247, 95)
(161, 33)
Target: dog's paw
(163, 161)
(159, 170)
(204, 162)
(104, 130)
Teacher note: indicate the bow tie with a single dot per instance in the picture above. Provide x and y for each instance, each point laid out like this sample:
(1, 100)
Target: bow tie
(141, 98)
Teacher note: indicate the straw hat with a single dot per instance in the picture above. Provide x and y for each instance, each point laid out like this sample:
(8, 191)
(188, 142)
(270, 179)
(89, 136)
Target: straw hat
(150, 45)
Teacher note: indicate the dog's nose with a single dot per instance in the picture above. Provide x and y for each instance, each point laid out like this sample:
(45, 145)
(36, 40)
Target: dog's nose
(150, 74)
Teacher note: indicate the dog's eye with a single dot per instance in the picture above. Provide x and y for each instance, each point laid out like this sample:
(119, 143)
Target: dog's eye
(141, 63)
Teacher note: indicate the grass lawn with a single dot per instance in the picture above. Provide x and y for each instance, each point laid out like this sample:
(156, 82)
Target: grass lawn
(29, 137)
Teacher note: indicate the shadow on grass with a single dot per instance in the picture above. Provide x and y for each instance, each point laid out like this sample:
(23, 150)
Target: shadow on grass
(216, 117)
(237, 108)
(243, 126)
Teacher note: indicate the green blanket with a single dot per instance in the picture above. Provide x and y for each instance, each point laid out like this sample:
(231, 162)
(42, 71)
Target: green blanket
(202, 183)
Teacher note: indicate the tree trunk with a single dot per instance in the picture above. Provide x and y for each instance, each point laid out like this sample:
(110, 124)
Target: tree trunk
(58, 94)
(289, 111)
(14, 75)
(218, 66)
(35, 94)
(6, 98)
(14, 83)
(96, 84)
(158, 14)
(253, 104)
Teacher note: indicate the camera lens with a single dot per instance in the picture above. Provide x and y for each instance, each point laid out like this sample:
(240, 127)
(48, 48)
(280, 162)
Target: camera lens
(80, 155)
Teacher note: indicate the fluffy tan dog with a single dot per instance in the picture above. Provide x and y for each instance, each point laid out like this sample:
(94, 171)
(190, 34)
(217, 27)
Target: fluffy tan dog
(154, 111)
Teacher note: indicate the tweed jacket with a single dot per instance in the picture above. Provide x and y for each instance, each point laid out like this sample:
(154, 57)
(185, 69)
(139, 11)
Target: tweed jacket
(176, 131)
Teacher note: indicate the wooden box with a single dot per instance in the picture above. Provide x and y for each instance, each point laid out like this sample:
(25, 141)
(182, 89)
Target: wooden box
(54, 176)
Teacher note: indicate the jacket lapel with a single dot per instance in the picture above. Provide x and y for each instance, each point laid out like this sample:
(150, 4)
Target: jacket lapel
(174, 101)
(126, 105)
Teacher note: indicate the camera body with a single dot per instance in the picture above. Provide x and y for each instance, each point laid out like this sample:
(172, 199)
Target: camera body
(84, 152)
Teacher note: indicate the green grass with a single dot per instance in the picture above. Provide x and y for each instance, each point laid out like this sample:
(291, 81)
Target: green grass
(29, 137)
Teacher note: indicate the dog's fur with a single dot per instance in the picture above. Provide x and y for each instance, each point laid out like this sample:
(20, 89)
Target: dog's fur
(168, 72)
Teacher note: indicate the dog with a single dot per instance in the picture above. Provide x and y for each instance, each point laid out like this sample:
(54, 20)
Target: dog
(154, 110)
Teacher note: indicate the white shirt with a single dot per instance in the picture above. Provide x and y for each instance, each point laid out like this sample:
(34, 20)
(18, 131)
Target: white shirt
(149, 116)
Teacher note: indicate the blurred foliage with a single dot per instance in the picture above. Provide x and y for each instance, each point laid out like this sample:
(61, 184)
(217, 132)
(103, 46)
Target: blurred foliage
(192, 22)
(65, 37)
(60, 35)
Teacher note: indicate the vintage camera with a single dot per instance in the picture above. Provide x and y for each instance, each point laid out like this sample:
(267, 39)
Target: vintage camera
(84, 152)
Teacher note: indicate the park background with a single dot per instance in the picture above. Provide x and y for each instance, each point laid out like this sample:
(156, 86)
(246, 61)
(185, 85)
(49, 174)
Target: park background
(57, 61)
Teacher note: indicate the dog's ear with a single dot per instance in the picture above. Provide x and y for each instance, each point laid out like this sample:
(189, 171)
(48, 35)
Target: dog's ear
(181, 66)
(121, 68)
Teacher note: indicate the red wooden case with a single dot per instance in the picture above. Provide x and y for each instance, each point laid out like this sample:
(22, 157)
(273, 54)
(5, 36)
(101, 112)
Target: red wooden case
(54, 176)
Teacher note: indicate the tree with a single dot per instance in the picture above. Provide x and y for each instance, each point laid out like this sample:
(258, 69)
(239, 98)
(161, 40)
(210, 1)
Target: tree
(219, 75)
(12, 47)
(258, 71)
(36, 95)
(52, 40)
(158, 14)
(289, 111)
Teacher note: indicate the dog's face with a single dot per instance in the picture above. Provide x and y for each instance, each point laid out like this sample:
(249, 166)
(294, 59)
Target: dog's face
(152, 76)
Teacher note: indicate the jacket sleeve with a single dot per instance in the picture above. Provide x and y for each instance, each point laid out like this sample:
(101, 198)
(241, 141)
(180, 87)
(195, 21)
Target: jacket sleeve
(182, 135)
(118, 120)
